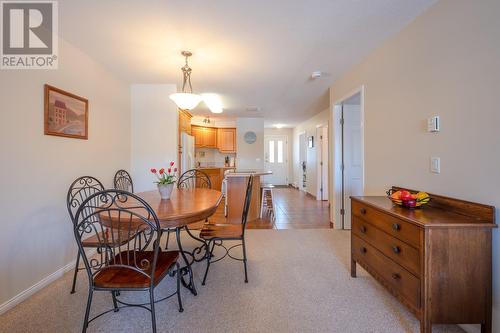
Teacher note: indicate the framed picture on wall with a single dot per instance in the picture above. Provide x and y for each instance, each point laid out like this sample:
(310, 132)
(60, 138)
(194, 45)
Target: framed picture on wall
(66, 114)
(311, 142)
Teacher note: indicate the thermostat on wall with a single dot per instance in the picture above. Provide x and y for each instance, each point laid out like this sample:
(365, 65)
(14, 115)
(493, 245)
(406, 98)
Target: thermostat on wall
(433, 124)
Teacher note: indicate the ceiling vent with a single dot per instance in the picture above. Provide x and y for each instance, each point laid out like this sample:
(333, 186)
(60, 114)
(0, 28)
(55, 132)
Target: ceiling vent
(316, 75)
(253, 108)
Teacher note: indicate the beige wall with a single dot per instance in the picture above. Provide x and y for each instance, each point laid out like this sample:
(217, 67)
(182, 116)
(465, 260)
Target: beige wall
(309, 127)
(446, 63)
(36, 237)
(154, 135)
(250, 156)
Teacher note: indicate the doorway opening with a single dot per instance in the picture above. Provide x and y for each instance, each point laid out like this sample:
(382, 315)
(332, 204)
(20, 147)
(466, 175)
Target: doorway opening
(276, 158)
(348, 157)
(322, 163)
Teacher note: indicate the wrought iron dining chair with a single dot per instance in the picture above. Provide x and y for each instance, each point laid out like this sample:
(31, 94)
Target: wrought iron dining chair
(123, 181)
(138, 264)
(216, 234)
(78, 192)
(194, 179)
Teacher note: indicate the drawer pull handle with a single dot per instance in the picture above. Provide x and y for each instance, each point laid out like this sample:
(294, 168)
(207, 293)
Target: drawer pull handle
(396, 226)
(396, 249)
(363, 229)
(363, 249)
(396, 276)
(362, 211)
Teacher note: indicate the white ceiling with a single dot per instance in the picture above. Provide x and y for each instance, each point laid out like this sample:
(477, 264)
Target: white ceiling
(253, 53)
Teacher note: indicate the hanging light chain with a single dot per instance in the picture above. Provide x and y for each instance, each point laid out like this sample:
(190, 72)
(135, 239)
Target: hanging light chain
(186, 70)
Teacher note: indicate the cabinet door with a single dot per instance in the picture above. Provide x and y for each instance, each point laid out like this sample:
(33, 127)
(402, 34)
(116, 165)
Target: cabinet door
(198, 134)
(184, 122)
(226, 140)
(210, 137)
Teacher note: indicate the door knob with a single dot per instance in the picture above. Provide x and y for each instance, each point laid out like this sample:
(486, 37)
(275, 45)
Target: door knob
(396, 249)
(396, 226)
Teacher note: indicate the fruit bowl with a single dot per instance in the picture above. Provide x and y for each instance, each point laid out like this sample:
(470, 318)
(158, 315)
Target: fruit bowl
(408, 199)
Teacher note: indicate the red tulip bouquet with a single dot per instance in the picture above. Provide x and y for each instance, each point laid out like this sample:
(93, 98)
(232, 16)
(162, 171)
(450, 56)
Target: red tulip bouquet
(166, 180)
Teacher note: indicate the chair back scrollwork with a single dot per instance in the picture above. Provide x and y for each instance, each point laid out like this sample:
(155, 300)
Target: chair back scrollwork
(125, 226)
(79, 191)
(123, 181)
(194, 179)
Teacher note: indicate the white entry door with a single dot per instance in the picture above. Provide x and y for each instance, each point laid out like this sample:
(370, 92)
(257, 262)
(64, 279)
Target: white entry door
(276, 159)
(353, 159)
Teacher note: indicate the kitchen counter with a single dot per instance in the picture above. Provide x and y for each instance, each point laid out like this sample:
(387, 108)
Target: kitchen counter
(247, 173)
(236, 191)
(213, 167)
(215, 174)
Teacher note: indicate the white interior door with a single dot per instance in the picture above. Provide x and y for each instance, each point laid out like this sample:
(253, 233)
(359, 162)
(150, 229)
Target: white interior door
(302, 181)
(322, 163)
(276, 159)
(352, 158)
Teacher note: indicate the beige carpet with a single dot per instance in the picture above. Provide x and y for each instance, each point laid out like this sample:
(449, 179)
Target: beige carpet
(298, 282)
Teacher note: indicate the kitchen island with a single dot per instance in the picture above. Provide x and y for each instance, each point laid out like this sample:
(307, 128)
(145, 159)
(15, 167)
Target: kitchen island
(216, 175)
(236, 188)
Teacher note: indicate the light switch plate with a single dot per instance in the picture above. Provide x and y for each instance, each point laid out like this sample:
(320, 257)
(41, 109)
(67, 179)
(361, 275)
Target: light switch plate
(435, 165)
(433, 124)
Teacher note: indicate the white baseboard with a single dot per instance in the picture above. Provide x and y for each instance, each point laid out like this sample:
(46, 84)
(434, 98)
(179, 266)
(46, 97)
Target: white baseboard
(25, 294)
(469, 328)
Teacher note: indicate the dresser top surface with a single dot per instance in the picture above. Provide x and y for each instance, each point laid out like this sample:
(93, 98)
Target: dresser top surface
(426, 216)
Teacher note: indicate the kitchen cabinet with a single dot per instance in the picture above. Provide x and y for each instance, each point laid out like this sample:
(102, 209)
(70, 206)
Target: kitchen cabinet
(226, 140)
(210, 137)
(216, 176)
(204, 137)
(185, 121)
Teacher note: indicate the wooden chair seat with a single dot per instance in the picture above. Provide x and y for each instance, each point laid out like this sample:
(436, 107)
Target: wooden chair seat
(125, 277)
(210, 231)
(114, 240)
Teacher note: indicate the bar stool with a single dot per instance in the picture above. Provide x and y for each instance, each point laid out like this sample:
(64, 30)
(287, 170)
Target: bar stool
(267, 202)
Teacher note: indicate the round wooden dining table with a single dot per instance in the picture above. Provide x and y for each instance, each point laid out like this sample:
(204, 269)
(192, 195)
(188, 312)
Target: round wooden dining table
(185, 206)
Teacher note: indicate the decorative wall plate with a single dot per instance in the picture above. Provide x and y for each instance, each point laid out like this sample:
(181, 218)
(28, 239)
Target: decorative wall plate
(250, 137)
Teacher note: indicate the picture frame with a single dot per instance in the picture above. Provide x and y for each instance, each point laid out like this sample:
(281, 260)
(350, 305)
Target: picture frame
(311, 142)
(65, 114)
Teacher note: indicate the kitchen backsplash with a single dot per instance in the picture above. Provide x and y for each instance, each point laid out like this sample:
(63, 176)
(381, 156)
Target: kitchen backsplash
(210, 157)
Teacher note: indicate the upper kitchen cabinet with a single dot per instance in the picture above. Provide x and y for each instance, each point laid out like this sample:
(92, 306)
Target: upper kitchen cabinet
(226, 140)
(204, 137)
(185, 121)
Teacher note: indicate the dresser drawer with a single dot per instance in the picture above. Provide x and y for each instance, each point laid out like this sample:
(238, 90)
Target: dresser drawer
(403, 230)
(396, 278)
(397, 250)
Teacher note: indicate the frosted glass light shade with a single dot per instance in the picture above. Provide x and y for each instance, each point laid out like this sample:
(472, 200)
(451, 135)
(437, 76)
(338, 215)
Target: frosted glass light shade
(186, 101)
(213, 102)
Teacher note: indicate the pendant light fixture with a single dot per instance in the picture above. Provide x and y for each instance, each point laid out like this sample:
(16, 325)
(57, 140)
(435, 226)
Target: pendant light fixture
(186, 100)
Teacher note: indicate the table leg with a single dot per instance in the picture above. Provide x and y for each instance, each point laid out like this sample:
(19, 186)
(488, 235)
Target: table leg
(197, 250)
(186, 269)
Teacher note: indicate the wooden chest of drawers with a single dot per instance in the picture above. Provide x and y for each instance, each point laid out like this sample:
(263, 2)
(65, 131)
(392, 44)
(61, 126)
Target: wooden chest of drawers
(435, 260)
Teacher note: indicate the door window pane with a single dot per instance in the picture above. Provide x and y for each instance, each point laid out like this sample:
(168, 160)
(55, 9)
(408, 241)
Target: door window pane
(271, 151)
(280, 151)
